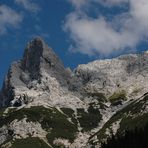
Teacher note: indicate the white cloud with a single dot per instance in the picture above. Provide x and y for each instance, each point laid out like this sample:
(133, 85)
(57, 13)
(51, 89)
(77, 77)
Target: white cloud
(80, 3)
(100, 36)
(28, 5)
(111, 2)
(8, 18)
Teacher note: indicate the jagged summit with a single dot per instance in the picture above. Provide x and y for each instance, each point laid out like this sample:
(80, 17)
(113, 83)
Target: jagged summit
(32, 56)
(32, 72)
(37, 51)
(38, 58)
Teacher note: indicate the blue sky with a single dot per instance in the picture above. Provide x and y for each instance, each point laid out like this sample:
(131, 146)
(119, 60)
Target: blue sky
(79, 31)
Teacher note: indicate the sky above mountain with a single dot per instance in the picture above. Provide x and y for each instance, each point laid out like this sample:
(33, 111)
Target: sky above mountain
(79, 31)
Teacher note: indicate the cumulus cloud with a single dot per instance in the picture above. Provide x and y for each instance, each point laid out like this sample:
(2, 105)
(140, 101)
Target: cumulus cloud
(95, 36)
(8, 18)
(28, 5)
(100, 35)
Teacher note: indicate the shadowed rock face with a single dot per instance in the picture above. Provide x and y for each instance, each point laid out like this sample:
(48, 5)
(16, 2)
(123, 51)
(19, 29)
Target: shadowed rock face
(12, 80)
(38, 59)
(32, 58)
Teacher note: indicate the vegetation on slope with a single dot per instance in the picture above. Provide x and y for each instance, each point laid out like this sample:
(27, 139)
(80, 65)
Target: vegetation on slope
(65, 125)
(131, 116)
(137, 138)
(29, 143)
(53, 121)
(98, 96)
(117, 97)
(90, 119)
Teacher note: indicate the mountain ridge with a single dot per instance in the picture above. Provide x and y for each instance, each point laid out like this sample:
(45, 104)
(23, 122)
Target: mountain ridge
(43, 99)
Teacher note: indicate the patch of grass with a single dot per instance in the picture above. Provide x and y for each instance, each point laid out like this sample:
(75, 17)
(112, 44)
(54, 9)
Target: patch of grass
(136, 90)
(33, 114)
(11, 110)
(118, 96)
(60, 127)
(2, 111)
(89, 120)
(70, 113)
(67, 111)
(98, 96)
(29, 143)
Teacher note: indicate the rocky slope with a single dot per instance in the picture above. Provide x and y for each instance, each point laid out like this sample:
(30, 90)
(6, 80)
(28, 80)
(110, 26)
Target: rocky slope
(39, 78)
(44, 104)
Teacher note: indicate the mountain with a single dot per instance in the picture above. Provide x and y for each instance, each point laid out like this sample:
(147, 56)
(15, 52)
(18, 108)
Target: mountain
(44, 104)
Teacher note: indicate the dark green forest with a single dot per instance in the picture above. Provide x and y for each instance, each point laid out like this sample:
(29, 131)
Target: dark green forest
(137, 138)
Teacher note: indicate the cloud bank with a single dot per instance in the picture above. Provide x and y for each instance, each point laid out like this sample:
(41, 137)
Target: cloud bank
(8, 18)
(103, 36)
(11, 18)
(29, 5)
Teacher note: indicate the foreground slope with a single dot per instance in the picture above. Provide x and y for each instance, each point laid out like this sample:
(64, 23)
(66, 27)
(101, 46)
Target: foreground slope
(50, 106)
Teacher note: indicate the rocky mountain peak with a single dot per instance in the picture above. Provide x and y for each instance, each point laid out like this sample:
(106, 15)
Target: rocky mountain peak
(38, 58)
(45, 101)
(38, 64)
(32, 55)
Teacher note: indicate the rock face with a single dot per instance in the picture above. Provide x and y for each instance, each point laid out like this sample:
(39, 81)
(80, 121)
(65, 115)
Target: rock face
(128, 73)
(44, 100)
(39, 59)
(27, 75)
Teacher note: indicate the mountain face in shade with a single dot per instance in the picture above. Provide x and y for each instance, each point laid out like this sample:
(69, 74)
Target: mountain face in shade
(39, 58)
(44, 103)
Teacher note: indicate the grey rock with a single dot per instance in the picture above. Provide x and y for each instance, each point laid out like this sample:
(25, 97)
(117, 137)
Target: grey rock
(127, 72)
(38, 57)
(27, 73)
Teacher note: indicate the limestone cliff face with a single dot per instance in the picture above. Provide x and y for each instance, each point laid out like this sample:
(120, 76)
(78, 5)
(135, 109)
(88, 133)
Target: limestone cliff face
(128, 73)
(31, 74)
